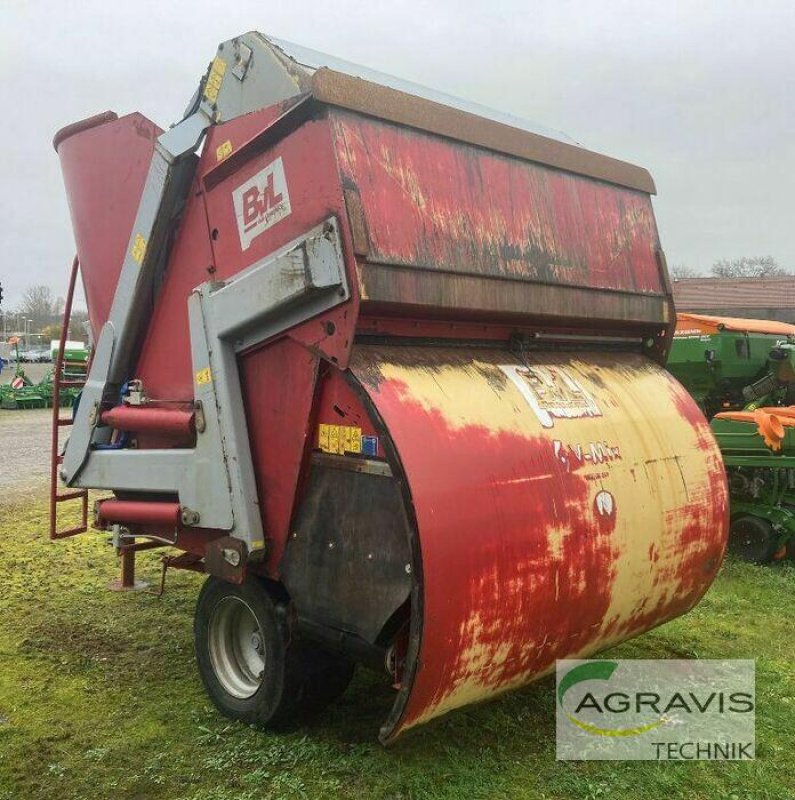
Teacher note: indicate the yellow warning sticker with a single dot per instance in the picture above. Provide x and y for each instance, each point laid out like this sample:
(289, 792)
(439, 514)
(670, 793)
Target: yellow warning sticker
(204, 376)
(223, 150)
(138, 250)
(215, 79)
(339, 439)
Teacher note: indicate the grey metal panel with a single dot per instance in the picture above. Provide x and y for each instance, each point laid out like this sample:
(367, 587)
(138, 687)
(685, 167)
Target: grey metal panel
(136, 470)
(166, 185)
(216, 479)
(298, 281)
(77, 448)
(224, 441)
(308, 274)
(266, 81)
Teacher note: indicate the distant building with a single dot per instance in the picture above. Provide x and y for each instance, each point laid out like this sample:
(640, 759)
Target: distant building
(753, 298)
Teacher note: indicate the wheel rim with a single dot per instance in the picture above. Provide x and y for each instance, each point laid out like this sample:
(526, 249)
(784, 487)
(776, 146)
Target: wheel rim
(237, 647)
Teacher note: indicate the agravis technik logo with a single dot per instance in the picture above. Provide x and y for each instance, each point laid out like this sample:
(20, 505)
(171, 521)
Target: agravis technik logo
(657, 710)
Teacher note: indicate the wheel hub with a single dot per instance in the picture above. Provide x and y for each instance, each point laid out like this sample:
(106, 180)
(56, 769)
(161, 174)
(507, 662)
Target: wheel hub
(236, 646)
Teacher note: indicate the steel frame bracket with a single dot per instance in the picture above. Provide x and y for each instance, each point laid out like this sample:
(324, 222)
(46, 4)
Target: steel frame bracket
(216, 478)
(232, 86)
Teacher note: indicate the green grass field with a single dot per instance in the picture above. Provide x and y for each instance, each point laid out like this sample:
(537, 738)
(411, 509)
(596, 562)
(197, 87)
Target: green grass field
(99, 698)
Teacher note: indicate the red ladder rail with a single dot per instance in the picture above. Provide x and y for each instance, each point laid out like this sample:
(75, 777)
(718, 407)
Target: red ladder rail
(58, 422)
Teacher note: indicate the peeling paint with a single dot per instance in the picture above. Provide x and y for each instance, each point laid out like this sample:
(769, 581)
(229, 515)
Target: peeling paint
(435, 204)
(525, 559)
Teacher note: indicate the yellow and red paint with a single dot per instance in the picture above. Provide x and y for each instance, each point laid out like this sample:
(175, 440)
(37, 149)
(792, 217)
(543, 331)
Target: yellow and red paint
(526, 557)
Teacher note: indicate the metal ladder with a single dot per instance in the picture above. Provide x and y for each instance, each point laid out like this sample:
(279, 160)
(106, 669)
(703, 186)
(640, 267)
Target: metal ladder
(58, 422)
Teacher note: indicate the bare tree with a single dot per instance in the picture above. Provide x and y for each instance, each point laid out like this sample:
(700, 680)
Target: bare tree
(39, 305)
(748, 267)
(679, 271)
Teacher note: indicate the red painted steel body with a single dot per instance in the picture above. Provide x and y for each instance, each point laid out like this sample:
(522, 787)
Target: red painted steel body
(164, 421)
(139, 512)
(460, 209)
(104, 168)
(523, 550)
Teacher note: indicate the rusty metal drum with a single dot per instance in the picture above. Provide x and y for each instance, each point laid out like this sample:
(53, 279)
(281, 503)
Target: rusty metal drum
(563, 502)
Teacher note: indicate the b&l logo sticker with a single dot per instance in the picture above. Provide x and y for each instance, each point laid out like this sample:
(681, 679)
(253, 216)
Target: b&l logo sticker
(552, 393)
(261, 202)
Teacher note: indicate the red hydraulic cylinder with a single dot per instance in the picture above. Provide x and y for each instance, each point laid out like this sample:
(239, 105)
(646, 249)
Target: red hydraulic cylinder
(139, 512)
(166, 421)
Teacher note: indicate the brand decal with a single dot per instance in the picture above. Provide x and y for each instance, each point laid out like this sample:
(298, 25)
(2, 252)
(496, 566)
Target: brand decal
(261, 202)
(552, 393)
(655, 710)
(574, 456)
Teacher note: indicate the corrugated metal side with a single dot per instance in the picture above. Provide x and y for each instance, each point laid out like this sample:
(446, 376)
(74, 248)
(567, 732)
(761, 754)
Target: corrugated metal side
(563, 504)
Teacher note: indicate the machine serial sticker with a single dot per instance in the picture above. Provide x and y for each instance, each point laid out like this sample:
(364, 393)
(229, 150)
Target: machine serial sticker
(138, 250)
(261, 202)
(215, 79)
(223, 150)
(552, 393)
(339, 439)
(204, 376)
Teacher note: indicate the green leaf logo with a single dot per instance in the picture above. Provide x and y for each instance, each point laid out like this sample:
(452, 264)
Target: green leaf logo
(602, 671)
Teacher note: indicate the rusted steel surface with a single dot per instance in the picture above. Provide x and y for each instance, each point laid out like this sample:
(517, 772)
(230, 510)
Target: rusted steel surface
(421, 291)
(455, 210)
(480, 236)
(563, 503)
(408, 110)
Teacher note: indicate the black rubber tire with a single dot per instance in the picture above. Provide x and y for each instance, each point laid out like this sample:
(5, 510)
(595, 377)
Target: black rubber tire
(299, 678)
(752, 539)
(324, 677)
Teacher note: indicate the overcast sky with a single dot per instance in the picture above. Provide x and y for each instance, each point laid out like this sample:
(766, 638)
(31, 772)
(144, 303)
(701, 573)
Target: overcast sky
(700, 93)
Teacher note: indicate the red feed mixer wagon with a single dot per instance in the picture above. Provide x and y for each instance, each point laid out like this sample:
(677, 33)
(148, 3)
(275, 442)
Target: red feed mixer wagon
(388, 368)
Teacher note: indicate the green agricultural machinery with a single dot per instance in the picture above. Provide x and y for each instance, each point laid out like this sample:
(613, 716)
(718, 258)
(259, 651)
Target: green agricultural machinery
(741, 372)
(21, 392)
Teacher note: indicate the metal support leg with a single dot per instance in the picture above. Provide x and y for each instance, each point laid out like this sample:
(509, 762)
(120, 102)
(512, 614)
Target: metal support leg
(126, 581)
